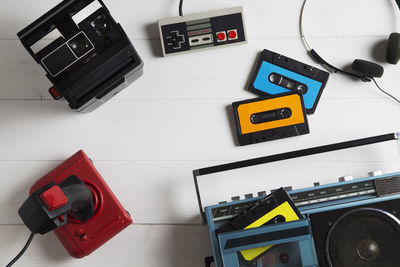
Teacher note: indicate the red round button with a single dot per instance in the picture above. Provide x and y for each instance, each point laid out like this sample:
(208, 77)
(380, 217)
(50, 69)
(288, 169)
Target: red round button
(221, 36)
(232, 34)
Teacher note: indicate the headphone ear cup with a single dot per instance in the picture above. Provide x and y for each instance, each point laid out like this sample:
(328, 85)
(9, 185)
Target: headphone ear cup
(393, 48)
(367, 68)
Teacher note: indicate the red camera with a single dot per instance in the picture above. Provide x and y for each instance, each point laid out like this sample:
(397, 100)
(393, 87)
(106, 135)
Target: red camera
(75, 202)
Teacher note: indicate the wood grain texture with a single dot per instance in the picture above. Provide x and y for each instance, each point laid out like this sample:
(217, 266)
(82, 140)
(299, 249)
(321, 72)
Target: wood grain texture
(176, 118)
(139, 245)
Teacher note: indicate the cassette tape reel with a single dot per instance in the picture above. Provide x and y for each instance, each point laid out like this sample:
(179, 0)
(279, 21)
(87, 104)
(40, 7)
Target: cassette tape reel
(277, 74)
(270, 118)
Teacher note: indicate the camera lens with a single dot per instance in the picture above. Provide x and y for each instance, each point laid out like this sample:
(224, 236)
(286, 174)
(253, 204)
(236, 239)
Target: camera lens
(101, 24)
(80, 45)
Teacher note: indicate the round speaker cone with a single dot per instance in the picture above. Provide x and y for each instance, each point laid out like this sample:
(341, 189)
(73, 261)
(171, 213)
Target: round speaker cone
(364, 237)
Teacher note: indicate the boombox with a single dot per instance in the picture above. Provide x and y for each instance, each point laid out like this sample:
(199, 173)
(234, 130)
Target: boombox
(355, 222)
(87, 56)
(75, 202)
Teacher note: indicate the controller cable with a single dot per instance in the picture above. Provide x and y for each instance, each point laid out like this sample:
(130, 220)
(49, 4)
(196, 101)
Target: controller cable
(22, 251)
(180, 8)
(329, 66)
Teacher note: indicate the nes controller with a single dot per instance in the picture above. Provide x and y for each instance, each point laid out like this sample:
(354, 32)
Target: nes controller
(201, 31)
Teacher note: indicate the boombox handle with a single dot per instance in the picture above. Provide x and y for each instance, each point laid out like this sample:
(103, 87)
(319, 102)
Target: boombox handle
(286, 156)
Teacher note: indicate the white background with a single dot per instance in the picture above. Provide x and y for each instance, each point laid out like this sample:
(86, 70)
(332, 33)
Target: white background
(148, 139)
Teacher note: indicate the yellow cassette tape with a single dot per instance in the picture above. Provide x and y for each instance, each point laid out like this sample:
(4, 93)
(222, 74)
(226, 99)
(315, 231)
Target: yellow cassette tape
(270, 118)
(277, 207)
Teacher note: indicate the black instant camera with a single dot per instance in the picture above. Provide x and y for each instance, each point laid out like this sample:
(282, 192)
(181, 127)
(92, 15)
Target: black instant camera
(90, 61)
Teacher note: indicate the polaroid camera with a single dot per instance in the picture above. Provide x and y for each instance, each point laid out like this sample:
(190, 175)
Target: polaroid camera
(90, 60)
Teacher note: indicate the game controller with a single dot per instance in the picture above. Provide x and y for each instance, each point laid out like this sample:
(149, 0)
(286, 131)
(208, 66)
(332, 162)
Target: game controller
(200, 31)
(75, 202)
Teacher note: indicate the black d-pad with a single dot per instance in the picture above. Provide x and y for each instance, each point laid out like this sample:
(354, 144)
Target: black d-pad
(175, 39)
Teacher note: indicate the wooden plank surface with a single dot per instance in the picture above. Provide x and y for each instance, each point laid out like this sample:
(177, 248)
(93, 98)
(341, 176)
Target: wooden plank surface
(176, 118)
(140, 245)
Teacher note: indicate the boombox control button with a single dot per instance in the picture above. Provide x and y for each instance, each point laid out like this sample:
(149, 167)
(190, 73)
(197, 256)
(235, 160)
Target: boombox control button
(375, 173)
(317, 184)
(248, 196)
(346, 178)
(237, 198)
(262, 193)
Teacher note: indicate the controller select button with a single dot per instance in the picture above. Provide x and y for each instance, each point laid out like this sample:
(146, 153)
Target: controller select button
(221, 36)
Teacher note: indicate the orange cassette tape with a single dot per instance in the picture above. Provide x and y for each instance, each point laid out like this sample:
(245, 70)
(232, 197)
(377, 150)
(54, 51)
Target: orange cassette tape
(270, 118)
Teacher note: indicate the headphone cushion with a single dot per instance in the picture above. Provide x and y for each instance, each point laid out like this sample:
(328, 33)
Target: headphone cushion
(393, 48)
(367, 68)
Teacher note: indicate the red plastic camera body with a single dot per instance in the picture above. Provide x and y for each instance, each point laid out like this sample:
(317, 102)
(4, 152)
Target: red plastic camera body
(82, 238)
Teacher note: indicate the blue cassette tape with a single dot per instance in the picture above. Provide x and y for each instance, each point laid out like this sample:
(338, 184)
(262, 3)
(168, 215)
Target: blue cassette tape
(277, 74)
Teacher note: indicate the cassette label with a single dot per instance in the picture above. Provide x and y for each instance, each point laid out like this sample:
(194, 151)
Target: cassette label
(277, 74)
(274, 208)
(265, 119)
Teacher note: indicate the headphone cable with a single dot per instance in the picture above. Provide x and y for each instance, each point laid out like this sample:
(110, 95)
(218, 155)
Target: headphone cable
(383, 91)
(22, 251)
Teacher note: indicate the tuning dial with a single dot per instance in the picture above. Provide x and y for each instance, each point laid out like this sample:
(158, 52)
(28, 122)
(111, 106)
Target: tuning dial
(375, 173)
(346, 178)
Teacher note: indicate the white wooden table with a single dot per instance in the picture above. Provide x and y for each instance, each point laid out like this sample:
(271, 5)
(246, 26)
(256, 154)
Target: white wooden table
(149, 164)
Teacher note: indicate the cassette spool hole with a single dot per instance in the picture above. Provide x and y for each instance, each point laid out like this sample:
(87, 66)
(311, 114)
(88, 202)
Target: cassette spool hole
(274, 78)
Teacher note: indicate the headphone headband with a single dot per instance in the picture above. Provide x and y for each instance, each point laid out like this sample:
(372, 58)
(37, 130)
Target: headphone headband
(374, 70)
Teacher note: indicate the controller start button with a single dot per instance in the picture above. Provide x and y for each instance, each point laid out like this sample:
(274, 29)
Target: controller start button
(221, 36)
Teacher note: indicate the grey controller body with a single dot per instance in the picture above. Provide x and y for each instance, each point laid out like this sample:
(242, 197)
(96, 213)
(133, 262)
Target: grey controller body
(200, 31)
